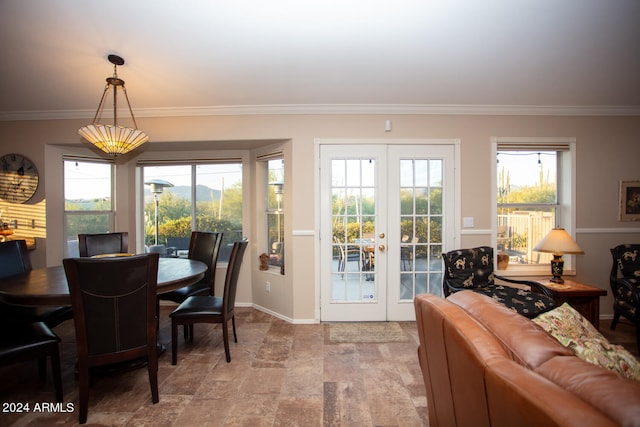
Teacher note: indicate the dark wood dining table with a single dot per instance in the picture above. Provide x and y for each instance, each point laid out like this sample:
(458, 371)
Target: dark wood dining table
(48, 286)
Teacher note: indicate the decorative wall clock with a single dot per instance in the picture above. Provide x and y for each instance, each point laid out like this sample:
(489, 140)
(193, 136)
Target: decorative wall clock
(18, 178)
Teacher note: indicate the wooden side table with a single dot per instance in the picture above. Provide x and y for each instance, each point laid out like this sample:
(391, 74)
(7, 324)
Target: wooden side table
(583, 298)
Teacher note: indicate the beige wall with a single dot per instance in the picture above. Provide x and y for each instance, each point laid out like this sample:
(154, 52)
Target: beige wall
(607, 148)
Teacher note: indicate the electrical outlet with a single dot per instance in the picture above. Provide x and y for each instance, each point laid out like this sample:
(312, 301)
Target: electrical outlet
(267, 287)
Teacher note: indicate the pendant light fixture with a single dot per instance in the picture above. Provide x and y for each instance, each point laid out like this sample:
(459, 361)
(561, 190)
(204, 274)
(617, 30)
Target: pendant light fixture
(112, 138)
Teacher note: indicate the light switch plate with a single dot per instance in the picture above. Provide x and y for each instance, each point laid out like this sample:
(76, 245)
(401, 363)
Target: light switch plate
(467, 222)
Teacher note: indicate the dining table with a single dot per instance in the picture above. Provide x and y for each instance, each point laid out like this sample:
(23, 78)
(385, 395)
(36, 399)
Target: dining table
(48, 286)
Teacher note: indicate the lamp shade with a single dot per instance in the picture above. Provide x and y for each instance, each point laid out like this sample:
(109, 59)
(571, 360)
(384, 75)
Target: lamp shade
(558, 241)
(113, 140)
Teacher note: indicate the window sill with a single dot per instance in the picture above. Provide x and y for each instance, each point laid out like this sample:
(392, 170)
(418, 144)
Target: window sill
(531, 272)
(273, 269)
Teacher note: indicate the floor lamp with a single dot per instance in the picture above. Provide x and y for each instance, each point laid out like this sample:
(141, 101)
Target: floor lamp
(157, 187)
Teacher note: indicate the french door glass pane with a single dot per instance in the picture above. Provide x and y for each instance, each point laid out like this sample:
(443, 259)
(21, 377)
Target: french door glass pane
(353, 223)
(421, 227)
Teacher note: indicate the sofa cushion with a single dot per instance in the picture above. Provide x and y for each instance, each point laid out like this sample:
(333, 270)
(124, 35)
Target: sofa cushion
(509, 328)
(606, 391)
(575, 332)
(520, 397)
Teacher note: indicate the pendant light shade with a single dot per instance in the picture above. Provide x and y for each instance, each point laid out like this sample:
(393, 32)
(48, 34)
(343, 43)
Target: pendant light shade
(112, 138)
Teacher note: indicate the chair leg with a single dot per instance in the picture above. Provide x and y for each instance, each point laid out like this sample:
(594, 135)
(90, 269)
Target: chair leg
(233, 323)
(186, 332)
(55, 372)
(42, 369)
(174, 342)
(225, 338)
(616, 317)
(83, 385)
(152, 367)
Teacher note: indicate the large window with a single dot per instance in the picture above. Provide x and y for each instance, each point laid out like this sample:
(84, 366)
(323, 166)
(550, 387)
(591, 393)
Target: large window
(533, 192)
(274, 212)
(88, 196)
(186, 197)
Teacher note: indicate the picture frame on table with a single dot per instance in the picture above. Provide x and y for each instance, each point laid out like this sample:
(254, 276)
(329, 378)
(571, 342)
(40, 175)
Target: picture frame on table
(629, 201)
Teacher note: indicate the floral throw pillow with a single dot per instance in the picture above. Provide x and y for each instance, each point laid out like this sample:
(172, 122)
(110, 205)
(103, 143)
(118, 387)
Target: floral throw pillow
(575, 332)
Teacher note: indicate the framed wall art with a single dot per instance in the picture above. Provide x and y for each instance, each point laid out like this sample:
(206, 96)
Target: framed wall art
(629, 200)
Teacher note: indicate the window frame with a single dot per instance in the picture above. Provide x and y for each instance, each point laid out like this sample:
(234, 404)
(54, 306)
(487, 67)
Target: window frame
(268, 211)
(566, 194)
(193, 172)
(66, 214)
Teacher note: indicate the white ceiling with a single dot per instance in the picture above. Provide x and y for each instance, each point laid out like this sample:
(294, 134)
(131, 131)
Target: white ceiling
(323, 56)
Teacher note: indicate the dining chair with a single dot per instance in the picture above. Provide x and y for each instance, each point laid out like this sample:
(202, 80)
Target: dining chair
(29, 341)
(348, 253)
(210, 308)
(103, 243)
(15, 260)
(204, 247)
(114, 301)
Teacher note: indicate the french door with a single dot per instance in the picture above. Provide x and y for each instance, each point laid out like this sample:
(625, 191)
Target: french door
(386, 214)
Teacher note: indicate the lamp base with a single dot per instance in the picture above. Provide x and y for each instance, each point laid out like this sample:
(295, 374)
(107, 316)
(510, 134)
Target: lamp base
(556, 280)
(557, 267)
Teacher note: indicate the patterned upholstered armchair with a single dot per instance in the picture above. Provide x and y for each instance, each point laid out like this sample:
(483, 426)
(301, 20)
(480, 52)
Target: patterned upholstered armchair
(625, 285)
(472, 269)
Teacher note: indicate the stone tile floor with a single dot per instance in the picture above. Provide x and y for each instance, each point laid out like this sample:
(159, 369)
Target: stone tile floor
(280, 375)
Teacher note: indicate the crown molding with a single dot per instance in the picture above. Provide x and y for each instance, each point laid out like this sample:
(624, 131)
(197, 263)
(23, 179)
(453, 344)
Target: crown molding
(319, 109)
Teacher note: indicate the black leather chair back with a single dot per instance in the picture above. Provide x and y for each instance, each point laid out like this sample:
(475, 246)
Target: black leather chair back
(205, 247)
(233, 271)
(14, 258)
(103, 243)
(114, 302)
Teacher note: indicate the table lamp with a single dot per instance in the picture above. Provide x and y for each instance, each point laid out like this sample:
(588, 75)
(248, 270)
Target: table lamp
(558, 242)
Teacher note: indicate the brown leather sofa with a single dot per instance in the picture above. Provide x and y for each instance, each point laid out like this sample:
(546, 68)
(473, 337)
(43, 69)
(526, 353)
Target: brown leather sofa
(485, 365)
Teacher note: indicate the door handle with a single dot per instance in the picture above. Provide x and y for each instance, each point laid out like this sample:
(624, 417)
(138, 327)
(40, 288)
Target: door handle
(382, 248)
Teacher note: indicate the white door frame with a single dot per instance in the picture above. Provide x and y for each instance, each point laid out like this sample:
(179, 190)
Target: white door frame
(318, 142)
